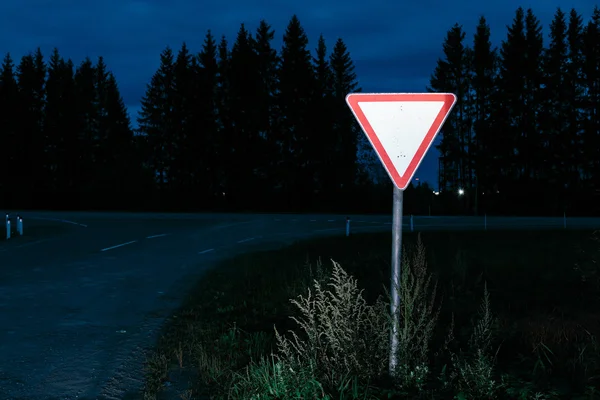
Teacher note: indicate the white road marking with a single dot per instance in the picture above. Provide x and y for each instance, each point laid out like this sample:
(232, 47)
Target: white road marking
(313, 220)
(331, 220)
(205, 251)
(326, 230)
(246, 240)
(361, 228)
(155, 236)
(119, 245)
(231, 225)
(32, 243)
(58, 220)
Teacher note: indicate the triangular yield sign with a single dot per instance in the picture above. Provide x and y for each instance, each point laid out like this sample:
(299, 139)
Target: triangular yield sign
(401, 127)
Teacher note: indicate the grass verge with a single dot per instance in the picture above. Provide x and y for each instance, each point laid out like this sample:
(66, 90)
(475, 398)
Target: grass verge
(495, 315)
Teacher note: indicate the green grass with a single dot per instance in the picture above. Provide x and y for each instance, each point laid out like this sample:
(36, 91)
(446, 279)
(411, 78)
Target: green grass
(485, 315)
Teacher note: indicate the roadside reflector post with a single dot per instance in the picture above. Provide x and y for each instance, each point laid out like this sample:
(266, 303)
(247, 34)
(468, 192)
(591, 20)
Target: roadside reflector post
(401, 127)
(8, 229)
(347, 226)
(20, 226)
(412, 226)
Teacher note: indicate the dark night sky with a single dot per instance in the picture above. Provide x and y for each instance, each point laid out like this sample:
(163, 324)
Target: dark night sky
(394, 44)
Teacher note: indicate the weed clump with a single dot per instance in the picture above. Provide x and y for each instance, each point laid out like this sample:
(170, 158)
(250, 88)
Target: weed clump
(418, 315)
(340, 339)
(473, 369)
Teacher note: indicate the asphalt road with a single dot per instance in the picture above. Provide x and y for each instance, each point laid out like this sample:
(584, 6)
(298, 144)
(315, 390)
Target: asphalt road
(82, 295)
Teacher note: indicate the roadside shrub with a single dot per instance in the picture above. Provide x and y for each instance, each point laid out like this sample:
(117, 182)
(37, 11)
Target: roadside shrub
(418, 316)
(474, 368)
(340, 338)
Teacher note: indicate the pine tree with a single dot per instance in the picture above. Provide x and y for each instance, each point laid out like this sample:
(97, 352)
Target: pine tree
(484, 70)
(206, 142)
(266, 106)
(52, 120)
(122, 170)
(326, 174)
(31, 75)
(101, 86)
(183, 108)
(574, 114)
(345, 129)
(245, 136)
(553, 121)
(101, 147)
(156, 119)
(225, 123)
(530, 164)
(296, 91)
(87, 126)
(323, 73)
(452, 74)
(509, 109)
(60, 131)
(591, 105)
(9, 139)
(69, 157)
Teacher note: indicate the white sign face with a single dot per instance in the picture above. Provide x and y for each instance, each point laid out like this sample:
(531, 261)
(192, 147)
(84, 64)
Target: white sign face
(401, 127)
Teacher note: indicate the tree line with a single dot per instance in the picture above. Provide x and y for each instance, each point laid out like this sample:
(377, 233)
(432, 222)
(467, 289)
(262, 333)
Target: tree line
(65, 135)
(524, 137)
(240, 127)
(249, 127)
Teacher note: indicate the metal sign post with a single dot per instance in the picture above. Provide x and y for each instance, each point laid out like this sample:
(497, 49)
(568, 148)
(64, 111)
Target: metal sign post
(396, 275)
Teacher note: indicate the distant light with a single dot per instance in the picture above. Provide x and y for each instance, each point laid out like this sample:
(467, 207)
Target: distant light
(461, 192)
(436, 193)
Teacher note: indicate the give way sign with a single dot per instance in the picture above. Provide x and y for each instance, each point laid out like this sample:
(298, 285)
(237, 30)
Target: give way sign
(401, 127)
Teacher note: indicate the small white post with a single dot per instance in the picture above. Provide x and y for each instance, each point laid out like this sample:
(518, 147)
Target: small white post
(565, 220)
(347, 226)
(20, 226)
(412, 227)
(485, 222)
(8, 229)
